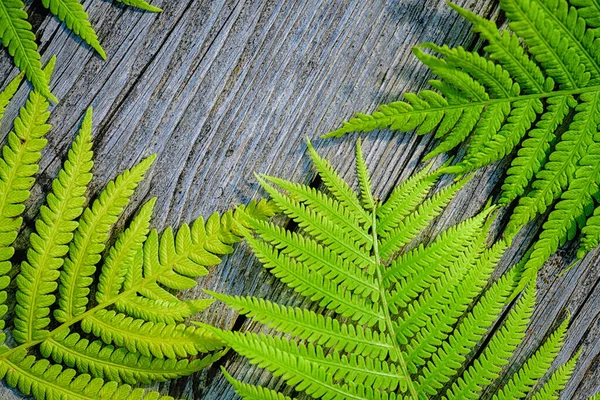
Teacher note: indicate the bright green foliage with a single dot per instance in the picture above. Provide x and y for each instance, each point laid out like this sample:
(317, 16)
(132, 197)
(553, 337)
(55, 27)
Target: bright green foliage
(144, 5)
(395, 324)
(516, 99)
(134, 331)
(17, 35)
(71, 12)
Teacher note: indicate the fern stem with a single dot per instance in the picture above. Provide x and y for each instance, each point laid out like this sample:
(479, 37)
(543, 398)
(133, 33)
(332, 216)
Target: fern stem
(385, 306)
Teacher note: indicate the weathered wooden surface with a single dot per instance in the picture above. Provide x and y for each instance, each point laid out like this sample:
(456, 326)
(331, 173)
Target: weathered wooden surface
(220, 89)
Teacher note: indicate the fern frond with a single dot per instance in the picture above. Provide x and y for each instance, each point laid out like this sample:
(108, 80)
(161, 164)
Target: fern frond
(309, 377)
(423, 344)
(318, 258)
(407, 334)
(137, 316)
(144, 5)
(71, 12)
(17, 37)
(7, 94)
(590, 234)
(90, 239)
(533, 154)
(16, 34)
(535, 367)
(18, 164)
(407, 229)
(121, 256)
(159, 310)
(504, 47)
(451, 354)
(560, 169)
(336, 185)
(488, 365)
(563, 63)
(54, 230)
(404, 199)
(589, 10)
(118, 364)
(558, 380)
(519, 96)
(44, 380)
(311, 326)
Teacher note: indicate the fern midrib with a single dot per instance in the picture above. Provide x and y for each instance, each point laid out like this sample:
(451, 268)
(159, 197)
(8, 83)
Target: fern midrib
(33, 117)
(110, 364)
(80, 261)
(556, 93)
(365, 369)
(385, 307)
(92, 311)
(49, 244)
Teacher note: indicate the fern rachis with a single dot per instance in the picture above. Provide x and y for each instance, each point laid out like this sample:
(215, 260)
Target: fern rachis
(413, 324)
(135, 330)
(535, 76)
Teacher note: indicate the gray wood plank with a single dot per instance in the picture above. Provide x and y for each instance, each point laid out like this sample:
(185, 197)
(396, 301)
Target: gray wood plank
(220, 89)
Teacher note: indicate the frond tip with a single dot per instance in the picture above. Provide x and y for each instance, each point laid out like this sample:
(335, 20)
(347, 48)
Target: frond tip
(411, 317)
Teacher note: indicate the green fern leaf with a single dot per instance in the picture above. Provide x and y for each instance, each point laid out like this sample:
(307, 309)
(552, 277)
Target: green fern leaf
(488, 365)
(589, 10)
(16, 36)
(17, 167)
(250, 392)
(517, 99)
(557, 381)
(118, 364)
(535, 367)
(54, 230)
(135, 332)
(409, 330)
(71, 12)
(90, 240)
(144, 5)
(8, 93)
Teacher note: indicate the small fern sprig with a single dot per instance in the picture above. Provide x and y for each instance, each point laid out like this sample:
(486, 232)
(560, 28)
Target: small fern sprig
(535, 75)
(132, 331)
(17, 35)
(396, 324)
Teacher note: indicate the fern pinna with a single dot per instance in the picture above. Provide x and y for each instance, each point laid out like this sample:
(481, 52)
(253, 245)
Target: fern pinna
(396, 324)
(81, 340)
(17, 35)
(538, 78)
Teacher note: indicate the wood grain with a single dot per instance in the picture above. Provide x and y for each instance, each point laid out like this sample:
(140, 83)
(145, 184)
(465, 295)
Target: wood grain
(220, 89)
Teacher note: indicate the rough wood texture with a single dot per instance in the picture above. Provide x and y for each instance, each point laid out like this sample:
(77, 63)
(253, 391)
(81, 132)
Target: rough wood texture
(220, 89)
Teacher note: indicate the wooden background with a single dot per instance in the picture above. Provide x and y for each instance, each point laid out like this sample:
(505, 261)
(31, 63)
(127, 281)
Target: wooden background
(220, 89)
